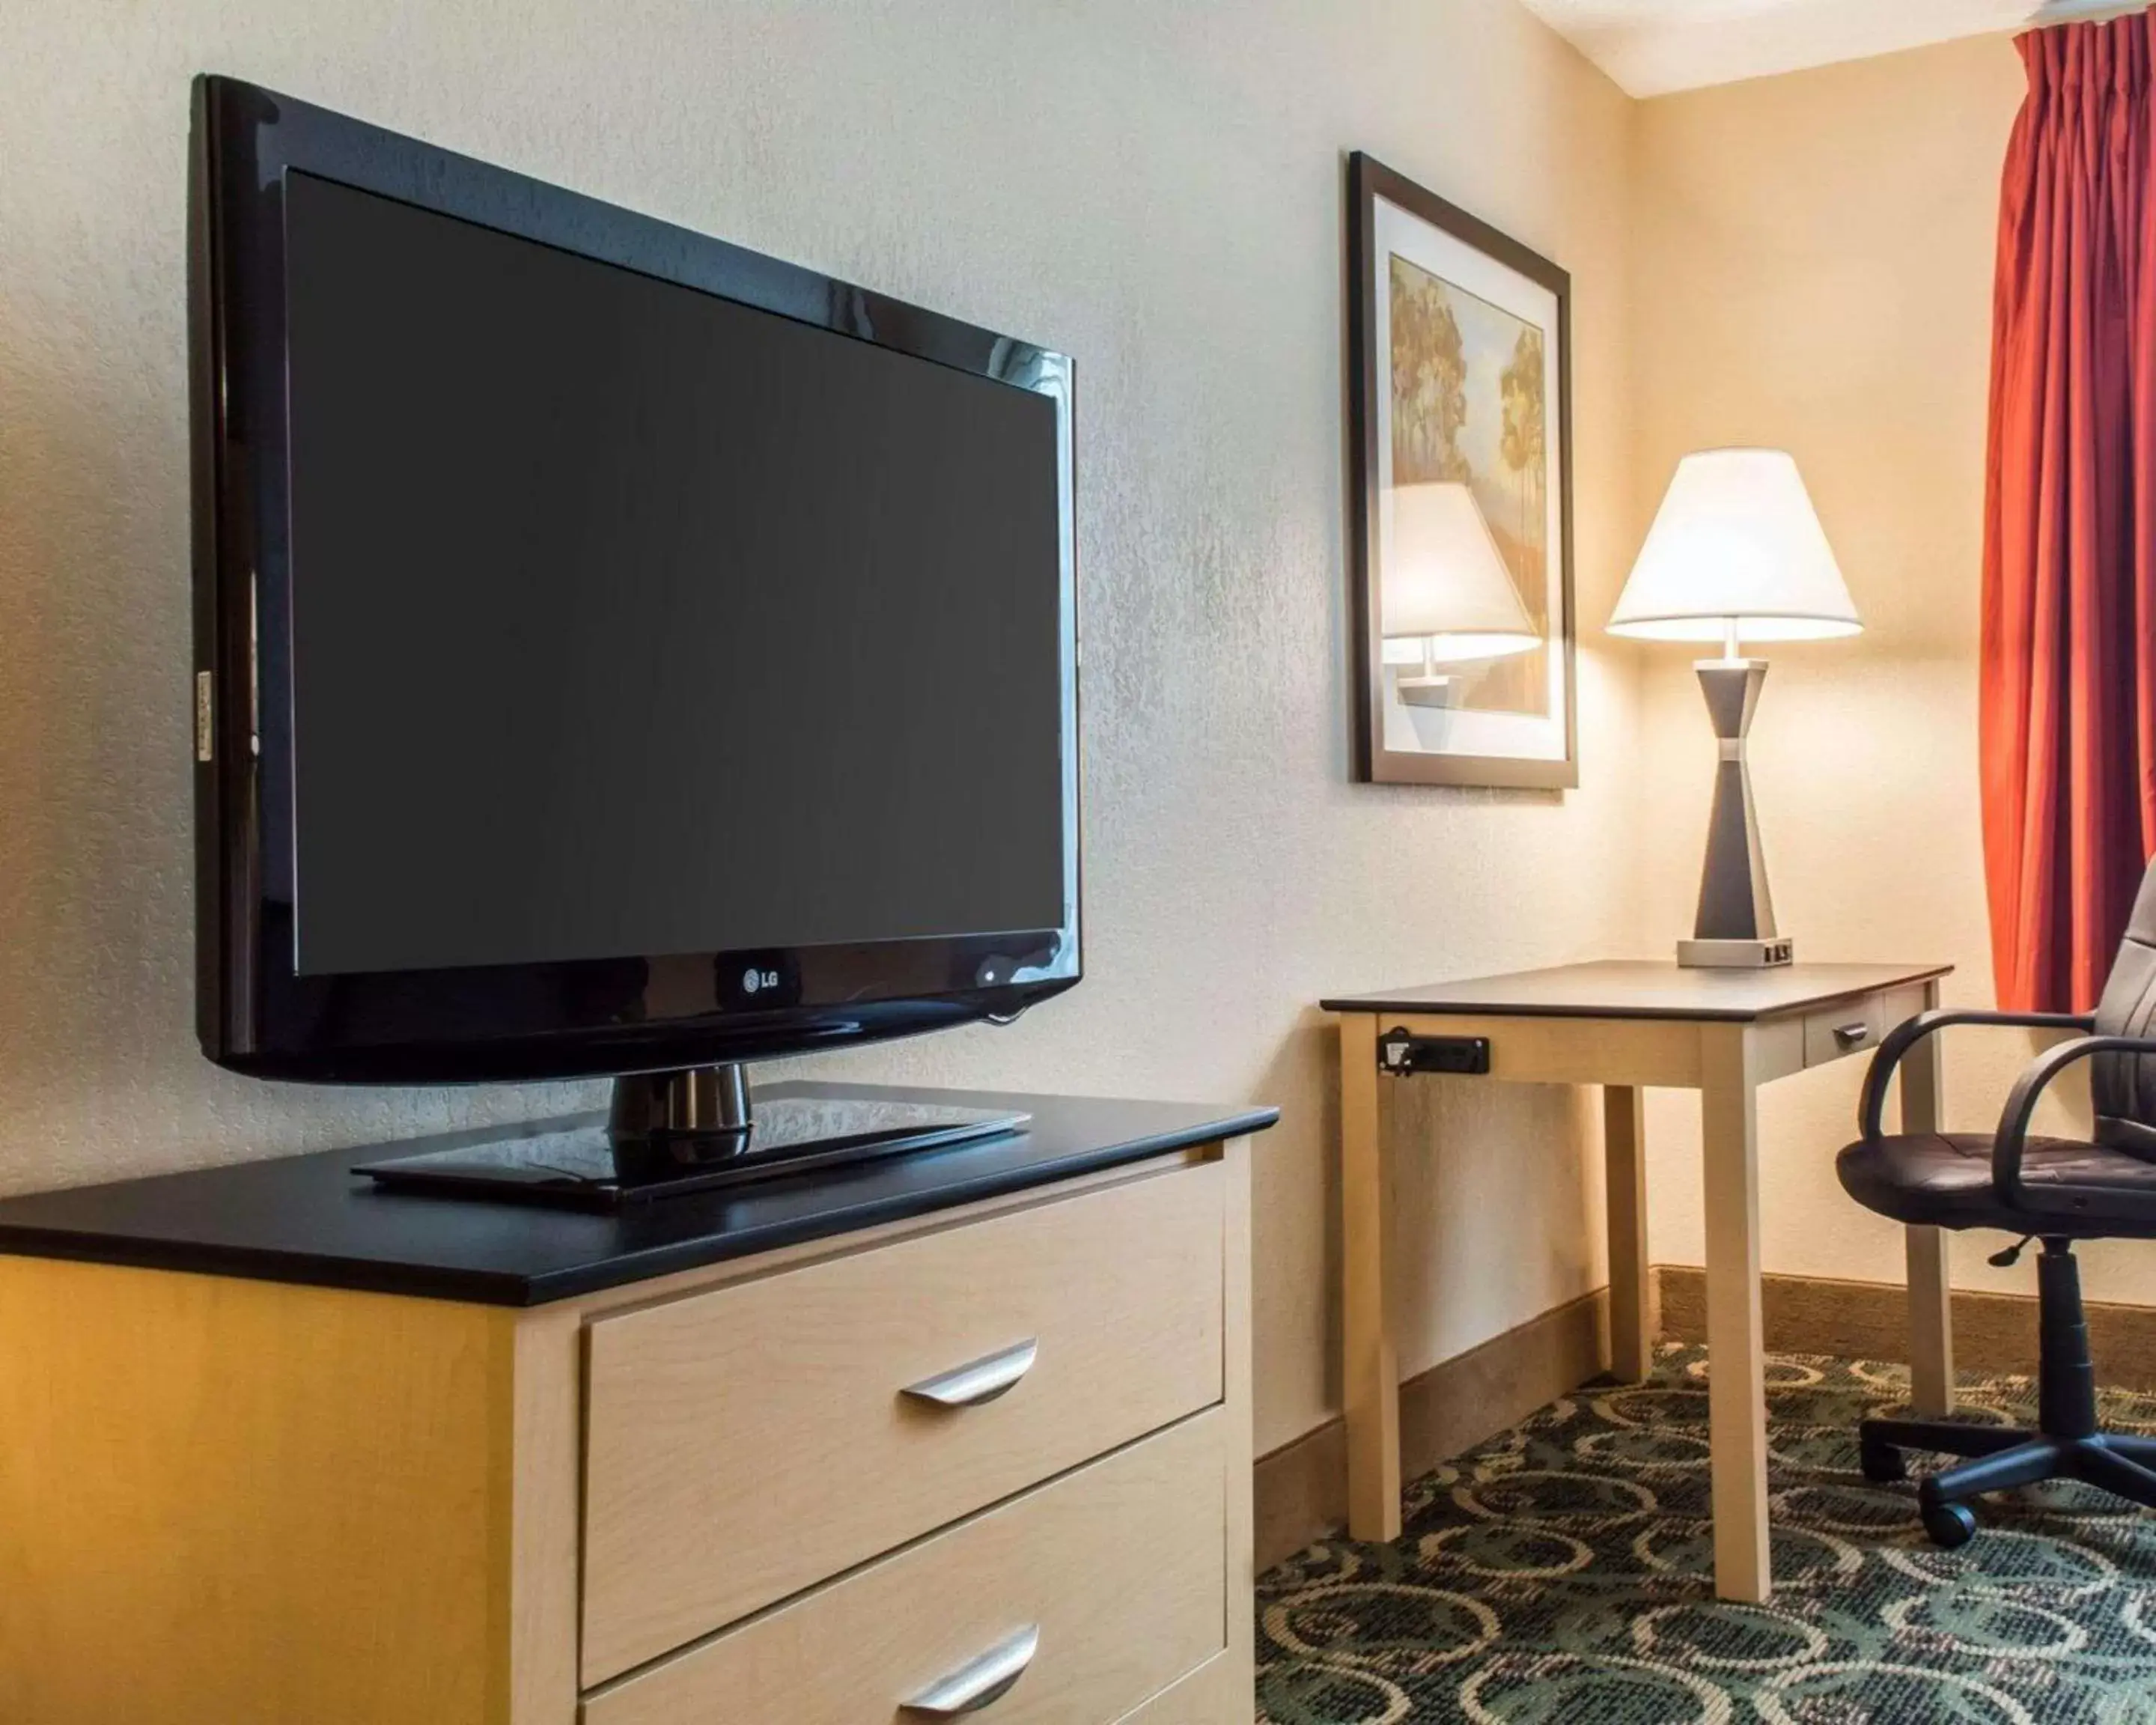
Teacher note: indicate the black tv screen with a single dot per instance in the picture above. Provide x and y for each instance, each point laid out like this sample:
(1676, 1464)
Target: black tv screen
(627, 619)
(658, 653)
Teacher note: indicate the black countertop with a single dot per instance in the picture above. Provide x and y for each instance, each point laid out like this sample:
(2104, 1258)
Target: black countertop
(308, 1219)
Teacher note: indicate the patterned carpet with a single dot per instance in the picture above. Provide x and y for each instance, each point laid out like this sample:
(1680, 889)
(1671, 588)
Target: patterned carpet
(1559, 1575)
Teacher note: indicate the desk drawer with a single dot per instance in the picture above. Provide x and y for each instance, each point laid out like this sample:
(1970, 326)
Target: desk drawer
(1851, 1028)
(1857, 1026)
(1119, 1570)
(747, 1442)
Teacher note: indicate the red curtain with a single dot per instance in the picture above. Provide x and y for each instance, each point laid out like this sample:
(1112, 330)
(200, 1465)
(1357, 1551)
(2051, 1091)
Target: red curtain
(2067, 709)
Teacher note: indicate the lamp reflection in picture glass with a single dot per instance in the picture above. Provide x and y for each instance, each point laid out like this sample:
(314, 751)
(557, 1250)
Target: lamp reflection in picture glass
(1446, 598)
(1736, 553)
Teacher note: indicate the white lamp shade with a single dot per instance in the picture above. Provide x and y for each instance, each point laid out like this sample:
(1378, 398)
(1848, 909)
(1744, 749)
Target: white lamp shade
(1445, 581)
(1736, 541)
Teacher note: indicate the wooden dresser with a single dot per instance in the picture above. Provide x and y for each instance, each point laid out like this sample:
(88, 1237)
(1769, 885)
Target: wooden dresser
(963, 1434)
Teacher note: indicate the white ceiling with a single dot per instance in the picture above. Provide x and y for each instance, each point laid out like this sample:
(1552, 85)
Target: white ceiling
(1651, 47)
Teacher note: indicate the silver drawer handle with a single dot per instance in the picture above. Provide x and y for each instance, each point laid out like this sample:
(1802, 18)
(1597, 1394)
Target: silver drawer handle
(982, 1380)
(1851, 1035)
(979, 1682)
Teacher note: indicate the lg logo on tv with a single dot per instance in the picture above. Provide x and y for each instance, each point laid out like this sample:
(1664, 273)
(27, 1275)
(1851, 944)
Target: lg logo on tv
(761, 980)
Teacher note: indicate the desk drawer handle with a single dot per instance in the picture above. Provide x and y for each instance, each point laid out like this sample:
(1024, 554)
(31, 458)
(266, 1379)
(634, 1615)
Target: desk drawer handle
(979, 1382)
(979, 1682)
(1849, 1036)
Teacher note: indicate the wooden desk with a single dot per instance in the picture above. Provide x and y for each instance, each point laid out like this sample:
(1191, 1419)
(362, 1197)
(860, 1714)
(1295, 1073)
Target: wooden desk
(1628, 1026)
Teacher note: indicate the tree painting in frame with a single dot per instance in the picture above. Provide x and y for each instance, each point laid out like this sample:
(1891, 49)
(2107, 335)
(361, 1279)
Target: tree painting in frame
(1459, 436)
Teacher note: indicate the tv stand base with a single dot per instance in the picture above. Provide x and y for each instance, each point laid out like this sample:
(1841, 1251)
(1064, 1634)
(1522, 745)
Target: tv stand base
(672, 1133)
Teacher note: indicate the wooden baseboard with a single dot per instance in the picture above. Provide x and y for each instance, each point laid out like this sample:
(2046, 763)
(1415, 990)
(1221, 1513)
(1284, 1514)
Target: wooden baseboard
(1867, 1320)
(1301, 1487)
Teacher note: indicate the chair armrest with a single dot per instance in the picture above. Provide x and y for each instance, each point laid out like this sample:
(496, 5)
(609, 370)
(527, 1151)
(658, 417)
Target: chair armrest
(2008, 1143)
(1871, 1106)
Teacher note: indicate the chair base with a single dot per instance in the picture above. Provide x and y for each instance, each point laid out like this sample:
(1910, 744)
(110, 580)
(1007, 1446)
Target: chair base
(2001, 1460)
(2066, 1445)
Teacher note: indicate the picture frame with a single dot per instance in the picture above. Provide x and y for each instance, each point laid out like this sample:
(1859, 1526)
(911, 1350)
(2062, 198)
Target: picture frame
(1460, 446)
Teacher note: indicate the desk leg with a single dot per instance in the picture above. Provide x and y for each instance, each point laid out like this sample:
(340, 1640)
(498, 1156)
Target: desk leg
(1931, 1311)
(1371, 1358)
(1736, 1355)
(1625, 1147)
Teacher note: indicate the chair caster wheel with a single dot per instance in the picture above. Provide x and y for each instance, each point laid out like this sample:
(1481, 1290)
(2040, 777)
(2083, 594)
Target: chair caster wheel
(1881, 1462)
(1949, 1525)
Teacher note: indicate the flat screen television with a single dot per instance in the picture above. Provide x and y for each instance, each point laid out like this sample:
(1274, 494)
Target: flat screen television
(617, 652)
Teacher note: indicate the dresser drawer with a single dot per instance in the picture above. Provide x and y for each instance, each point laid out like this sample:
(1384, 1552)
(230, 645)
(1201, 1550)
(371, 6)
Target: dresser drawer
(1115, 1575)
(1857, 1026)
(747, 1442)
(1218, 1692)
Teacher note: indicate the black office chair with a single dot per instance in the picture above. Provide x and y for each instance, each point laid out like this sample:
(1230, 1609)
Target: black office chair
(2057, 1190)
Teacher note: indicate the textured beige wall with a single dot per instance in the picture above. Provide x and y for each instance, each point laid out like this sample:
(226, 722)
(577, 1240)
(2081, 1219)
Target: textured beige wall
(1155, 188)
(1814, 267)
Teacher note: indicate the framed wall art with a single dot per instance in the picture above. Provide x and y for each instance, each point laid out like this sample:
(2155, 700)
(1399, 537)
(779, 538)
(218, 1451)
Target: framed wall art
(1460, 495)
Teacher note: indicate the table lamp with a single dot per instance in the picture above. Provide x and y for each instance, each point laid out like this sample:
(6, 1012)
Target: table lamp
(1736, 553)
(1446, 596)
